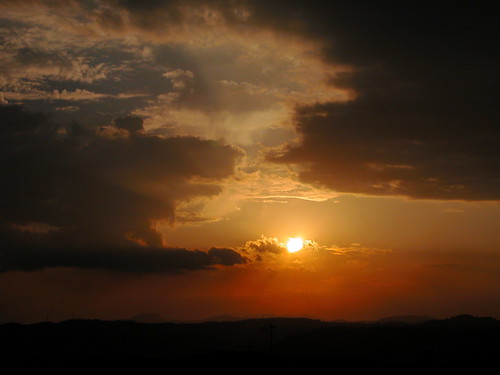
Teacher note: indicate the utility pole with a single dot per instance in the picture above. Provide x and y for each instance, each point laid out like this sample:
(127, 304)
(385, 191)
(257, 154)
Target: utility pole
(270, 327)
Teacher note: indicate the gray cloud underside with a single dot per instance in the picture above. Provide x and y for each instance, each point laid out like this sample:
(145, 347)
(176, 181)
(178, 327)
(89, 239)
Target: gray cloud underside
(74, 196)
(127, 260)
(362, 147)
(424, 122)
(99, 186)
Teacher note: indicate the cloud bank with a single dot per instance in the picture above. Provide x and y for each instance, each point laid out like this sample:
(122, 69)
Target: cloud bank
(81, 186)
(423, 122)
(145, 260)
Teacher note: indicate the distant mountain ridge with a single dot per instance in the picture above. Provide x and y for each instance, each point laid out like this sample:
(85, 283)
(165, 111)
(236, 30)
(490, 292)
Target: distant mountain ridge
(148, 318)
(409, 319)
(456, 340)
(223, 318)
(157, 318)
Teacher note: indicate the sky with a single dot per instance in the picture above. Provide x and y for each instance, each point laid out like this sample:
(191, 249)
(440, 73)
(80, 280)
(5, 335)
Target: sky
(157, 155)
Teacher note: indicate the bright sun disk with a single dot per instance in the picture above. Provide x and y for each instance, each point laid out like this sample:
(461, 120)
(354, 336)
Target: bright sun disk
(294, 244)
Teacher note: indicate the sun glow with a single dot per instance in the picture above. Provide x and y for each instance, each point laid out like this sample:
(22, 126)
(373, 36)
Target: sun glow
(294, 244)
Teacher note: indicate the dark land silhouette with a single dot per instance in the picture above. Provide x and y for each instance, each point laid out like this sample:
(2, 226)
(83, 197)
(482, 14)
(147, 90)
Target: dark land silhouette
(83, 346)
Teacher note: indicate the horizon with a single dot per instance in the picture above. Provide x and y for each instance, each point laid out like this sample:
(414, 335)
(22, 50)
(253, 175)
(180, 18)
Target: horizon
(152, 318)
(204, 158)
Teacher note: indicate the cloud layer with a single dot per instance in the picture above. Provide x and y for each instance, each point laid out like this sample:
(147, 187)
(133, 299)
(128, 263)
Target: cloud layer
(423, 122)
(76, 185)
(146, 260)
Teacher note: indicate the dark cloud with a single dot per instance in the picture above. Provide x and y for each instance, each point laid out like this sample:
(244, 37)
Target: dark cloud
(394, 147)
(424, 122)
(226, 257)
(98, 187)
(127, 259)
(132, 124)
(263, 248)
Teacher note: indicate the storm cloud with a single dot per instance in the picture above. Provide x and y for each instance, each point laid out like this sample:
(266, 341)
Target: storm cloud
(423, 120)
(125, 260)
(82, 186)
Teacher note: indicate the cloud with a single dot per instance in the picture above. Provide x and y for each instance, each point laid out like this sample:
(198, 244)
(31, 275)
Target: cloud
(264, 246)
(35, 94)
(99, 186)
(422, 122)
(32, 53)
(421, 119)
(366, 147)
(390, 100)
(127, 259)
(132, 124)
(2, 99)
(68, 108)
(191, 57)
(268, 248)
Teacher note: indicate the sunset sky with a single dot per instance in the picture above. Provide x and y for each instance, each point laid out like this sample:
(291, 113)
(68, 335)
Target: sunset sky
(157, 156)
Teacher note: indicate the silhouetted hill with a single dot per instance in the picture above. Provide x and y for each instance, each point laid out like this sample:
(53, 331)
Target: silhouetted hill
(408, 319)
(465, 322)
(223, 318)
(124, 344)
(449, 342)
(148, 318)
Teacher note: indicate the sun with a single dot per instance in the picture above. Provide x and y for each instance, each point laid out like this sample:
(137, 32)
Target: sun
(294, 244)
